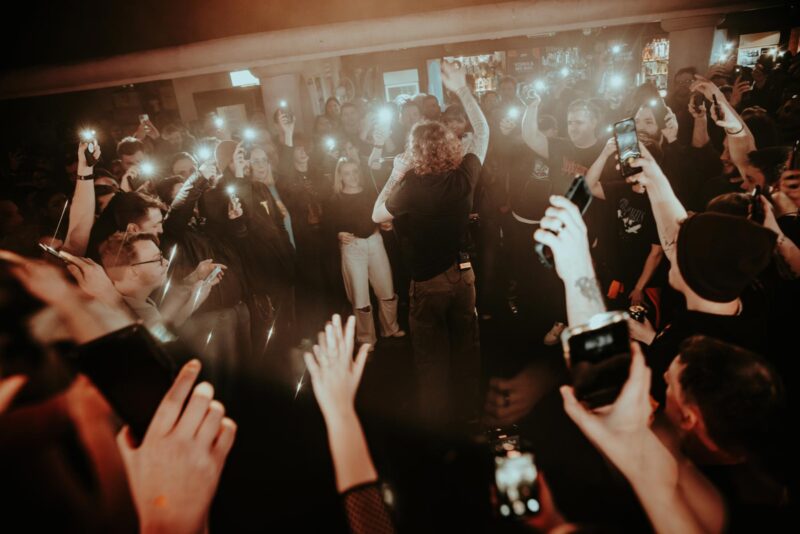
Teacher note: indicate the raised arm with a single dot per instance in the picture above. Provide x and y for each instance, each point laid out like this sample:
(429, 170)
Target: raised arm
(595, 172)
(401, 165)
(563, 230)
(81, 213)
(531, 134)
(740, 141)
(667, 209)
(455, 80)
(335, 376)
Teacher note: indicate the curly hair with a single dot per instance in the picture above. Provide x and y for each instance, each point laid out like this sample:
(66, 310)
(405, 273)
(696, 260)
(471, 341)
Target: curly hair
(435, 149)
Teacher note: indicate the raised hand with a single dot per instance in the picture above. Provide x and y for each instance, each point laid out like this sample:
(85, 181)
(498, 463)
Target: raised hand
(334, 374)
(454, 77)
(174, 473)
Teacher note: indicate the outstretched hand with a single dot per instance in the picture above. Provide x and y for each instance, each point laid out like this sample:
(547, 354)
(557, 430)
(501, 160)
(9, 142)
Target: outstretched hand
(335, 375)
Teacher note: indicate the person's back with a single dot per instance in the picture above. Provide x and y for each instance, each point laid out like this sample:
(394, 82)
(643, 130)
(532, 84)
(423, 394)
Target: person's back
(433, 213)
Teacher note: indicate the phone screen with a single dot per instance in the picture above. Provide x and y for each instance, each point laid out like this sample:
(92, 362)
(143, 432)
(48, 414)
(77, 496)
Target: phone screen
(599, 362)
(795, 166)
(516, 479)
(627, 146)
(131, 370)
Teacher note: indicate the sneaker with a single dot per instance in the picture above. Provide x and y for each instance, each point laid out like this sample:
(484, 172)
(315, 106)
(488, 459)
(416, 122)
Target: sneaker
(554, 335)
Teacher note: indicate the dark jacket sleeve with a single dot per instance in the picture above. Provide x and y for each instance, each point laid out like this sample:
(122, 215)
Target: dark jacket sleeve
(182, 208)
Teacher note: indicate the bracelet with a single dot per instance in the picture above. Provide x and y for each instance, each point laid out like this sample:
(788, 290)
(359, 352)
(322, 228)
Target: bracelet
(86, 178)
(735, 133)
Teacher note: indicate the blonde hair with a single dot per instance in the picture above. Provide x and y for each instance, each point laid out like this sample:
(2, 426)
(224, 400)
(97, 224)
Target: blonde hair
(337, 175)
(435, 149)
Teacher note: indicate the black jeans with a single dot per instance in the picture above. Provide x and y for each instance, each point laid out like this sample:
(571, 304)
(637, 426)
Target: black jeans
(444, 329)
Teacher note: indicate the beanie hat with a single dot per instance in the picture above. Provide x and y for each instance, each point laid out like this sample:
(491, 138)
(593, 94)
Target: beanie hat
(224, 154)
(719, 255)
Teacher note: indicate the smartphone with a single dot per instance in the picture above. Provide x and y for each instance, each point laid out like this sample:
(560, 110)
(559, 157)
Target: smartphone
(212, 275)
(144, 117)
(659, 111)
(580, 194)
(55, 253)
(89, 155)
(717, 107)
(698, 100)
(627, 146)
(795, 163)
(517, 481)
(746, 74)
(132, 371)
(599, 358)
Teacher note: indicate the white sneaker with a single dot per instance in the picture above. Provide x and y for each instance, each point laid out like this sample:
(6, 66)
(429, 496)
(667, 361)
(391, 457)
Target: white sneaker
(553, 337)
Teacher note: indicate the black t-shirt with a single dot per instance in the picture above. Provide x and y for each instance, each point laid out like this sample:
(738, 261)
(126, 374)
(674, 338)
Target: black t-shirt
(530, 185)
(747, 330)
(432, 212)
(565, 160)
(632, 233)
(353, 213)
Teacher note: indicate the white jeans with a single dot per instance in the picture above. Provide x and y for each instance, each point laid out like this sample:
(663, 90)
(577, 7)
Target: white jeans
(364, 262)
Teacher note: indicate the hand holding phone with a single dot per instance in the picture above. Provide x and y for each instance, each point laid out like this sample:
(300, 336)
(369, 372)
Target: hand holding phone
(563, 228)
(627, 147)
(598, 356)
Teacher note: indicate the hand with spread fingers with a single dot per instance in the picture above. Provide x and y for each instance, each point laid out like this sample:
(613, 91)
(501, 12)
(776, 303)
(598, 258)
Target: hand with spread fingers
(335, 375)
(173, 474)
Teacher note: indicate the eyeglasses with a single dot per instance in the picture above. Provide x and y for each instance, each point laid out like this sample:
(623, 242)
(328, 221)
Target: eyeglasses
(161, 259)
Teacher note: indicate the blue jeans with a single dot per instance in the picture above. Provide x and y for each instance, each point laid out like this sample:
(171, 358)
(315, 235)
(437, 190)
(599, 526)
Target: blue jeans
(444, 330)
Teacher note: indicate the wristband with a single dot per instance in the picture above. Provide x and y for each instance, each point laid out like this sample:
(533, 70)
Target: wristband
(736, 132)
(86, 178)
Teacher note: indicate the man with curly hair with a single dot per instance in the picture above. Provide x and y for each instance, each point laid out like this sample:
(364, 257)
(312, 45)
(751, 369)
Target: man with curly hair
(430, 193)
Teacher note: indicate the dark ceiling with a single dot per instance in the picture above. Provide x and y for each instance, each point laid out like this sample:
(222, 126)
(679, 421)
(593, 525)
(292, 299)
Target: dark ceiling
(53, 32)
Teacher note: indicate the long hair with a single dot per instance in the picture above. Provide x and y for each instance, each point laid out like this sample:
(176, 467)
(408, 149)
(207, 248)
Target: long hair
(435, 149)
(337, 175)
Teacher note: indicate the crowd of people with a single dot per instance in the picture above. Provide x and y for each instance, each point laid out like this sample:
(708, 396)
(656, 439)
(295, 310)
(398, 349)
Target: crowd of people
(222, 255)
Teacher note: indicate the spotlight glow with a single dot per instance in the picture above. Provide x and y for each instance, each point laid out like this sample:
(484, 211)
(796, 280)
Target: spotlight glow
(564, 72)
(219, 122)
(203, 153)
(249, 134)
(385, 115)
(147, 168)
(513, 113)
(87, 135)
(539, 85)
(616, 49)
(282, 104)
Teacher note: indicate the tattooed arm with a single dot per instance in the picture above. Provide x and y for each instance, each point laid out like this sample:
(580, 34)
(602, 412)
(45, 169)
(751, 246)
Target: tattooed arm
(562, 229)
(667, 209)
(401, 165)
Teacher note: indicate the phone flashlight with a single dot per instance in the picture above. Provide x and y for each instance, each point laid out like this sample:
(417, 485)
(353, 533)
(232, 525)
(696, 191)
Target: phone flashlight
(564, 72)
(513, 113)
(330, 143)
(144, 117)
(616, 49)
(231, 190)
(147, 168)
(219, 122)
(87, 135)
(539, 85)
(249, 134)
(203, 153)
(385, 115)
(282, 104)
(616, 81)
